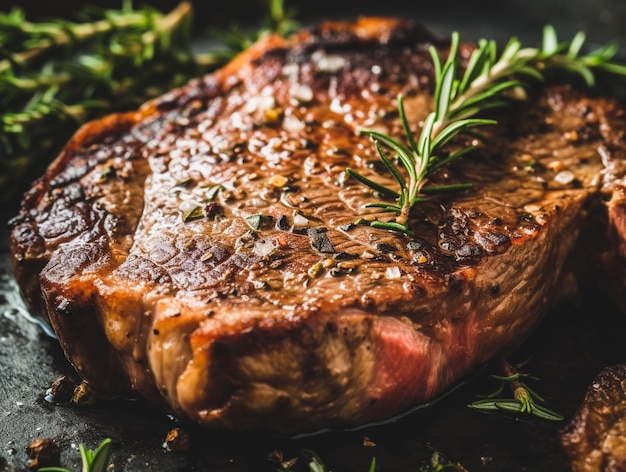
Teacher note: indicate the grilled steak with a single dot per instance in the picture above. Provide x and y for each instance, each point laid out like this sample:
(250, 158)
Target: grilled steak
(201, 251)
(595, 439)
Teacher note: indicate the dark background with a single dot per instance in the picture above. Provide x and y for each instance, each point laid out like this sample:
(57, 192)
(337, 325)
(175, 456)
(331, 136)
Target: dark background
(602, 19)
(567, 351)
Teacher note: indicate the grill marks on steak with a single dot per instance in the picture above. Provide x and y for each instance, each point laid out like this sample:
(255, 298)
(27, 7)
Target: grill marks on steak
(240, 327)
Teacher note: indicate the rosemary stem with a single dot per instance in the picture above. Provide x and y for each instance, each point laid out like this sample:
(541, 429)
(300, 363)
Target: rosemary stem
(518, 390)
(29, 85)
(520, 393)
(403, 217)
(500, 70)
(480, 84)
(506, 368)
(415, 186)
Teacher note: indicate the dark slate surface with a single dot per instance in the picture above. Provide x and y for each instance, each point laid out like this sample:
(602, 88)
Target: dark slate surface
(573, 344)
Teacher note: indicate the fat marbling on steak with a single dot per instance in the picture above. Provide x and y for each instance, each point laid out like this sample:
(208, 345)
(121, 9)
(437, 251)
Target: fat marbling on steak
(201, 251)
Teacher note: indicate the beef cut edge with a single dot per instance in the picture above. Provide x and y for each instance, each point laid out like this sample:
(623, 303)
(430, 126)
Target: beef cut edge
(201, 251)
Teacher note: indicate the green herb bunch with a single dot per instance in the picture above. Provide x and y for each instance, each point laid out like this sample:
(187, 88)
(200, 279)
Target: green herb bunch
(56, 75)
(462, 97)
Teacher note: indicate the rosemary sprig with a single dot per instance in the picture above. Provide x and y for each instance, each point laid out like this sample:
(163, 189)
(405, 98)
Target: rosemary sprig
(92, 461)
(525, 400)
(488, 81)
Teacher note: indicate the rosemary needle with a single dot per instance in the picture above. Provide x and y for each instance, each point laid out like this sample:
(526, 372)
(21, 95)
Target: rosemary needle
(461, 96)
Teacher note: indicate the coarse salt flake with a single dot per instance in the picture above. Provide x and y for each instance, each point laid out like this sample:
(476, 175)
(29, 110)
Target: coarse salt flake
(292, 124)
(302, 93)
(264, 247)
(564, 177)
(393, 272)
(328, 62)
(299, 220)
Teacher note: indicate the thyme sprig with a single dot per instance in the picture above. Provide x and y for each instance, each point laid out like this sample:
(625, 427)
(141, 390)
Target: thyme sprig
(525, 400)
(488, 81)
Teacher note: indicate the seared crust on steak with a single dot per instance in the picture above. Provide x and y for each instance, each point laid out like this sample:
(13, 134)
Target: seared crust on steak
(201, 251)
(595, 439)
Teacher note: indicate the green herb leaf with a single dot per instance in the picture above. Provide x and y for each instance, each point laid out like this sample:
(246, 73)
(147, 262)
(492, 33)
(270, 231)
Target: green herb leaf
(92, 461)
(258, 221)
(315, 462)
(386, 191)
(100, 457)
